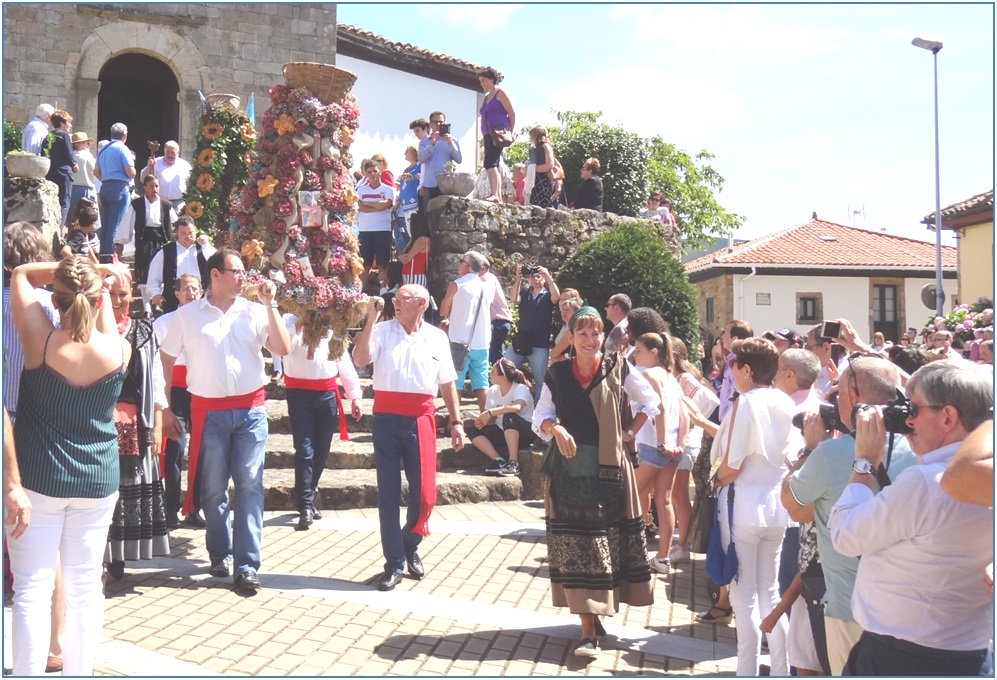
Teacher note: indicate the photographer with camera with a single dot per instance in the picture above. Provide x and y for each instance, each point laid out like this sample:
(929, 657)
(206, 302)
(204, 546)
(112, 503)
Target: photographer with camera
(919, 598)
(531, 341)
(825, 474)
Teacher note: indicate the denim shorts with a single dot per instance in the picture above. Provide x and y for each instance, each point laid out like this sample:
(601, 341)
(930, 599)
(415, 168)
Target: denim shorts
(651, 457)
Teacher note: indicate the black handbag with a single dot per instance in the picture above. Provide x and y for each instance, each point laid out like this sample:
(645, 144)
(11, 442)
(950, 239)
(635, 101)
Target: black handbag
(522, 343)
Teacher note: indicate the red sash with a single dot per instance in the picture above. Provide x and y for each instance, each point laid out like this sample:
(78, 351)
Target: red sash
(423, 409)
(322, 385)
(179, 379)
(199, 407)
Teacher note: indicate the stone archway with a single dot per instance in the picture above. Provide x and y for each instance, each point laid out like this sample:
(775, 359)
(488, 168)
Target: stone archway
(178, 53)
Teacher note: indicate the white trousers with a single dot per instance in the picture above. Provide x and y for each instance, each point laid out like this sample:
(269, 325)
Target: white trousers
(76, 530)
(841, 637)
(755, 594)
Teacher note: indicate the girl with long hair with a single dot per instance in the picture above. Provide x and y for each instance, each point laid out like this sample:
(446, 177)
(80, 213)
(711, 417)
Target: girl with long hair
(507, 418)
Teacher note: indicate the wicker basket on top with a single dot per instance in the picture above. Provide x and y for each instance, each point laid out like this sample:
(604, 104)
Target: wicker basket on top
(329, 83)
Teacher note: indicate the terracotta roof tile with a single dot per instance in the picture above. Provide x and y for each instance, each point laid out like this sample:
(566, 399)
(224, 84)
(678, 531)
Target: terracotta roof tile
(979, 203)
(825, 244)
(405, 47)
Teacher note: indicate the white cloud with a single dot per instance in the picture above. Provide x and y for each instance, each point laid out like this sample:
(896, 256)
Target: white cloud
(481, 18)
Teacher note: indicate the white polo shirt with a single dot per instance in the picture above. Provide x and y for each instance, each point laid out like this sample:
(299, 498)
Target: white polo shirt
(160, 326)
(186, 264)
(172, 178)
(223, 348)
(417, 363)
(320, 366)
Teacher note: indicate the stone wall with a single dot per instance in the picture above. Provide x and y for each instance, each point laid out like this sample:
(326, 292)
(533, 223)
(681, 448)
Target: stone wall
(54, 52)
(510, 235)
(35, 201)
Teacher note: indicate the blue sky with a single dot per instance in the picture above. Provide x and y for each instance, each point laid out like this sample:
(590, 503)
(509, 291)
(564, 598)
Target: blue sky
(806, 107)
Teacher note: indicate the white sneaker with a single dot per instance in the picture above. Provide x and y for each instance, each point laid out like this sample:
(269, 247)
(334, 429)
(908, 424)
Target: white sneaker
(678, 554)
(660, 566)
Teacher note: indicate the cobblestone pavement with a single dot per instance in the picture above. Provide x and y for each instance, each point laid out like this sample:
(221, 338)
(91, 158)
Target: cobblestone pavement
(483, 608)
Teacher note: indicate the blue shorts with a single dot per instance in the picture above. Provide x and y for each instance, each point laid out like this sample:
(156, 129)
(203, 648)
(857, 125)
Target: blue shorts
(651, 457)
(375, 245)
(477, 364)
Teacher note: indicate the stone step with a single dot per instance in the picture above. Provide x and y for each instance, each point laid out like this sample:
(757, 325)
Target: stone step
(358, 454)
(347, 489)
(280, 422)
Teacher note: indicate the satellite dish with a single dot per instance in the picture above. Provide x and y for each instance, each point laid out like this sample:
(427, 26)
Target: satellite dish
(929, 294)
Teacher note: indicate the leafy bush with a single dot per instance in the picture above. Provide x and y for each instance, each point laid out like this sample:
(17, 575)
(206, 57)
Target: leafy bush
(11, 137)
(634, 259)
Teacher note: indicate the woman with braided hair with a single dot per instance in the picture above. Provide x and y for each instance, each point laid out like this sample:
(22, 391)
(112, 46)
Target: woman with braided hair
(65, 473)
(595, 541)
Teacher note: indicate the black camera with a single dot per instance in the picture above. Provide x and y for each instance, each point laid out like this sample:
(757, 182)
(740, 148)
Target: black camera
(444, 129)
(829, 416)
(896, 413)
(528, 271)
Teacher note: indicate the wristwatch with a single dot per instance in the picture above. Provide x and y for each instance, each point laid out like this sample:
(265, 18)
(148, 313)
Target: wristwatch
(630, 433)
(863, 467)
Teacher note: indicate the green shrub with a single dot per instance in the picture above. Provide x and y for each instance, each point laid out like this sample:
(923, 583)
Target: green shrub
(634, 259)
(11, 137)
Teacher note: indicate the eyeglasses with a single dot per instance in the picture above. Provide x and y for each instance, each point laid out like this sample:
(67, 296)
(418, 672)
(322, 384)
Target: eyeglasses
(852, 380)
(190, 289)
(914, 408)
(436, 121)
(237, 272)
(406, 298)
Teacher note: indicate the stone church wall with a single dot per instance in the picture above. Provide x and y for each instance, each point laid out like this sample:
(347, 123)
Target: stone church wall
(54, 52)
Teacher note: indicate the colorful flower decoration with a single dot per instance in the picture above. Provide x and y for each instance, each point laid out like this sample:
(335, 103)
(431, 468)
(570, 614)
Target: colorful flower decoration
(194, 209)
(206, 158)
(346, 135)
(205, 182)
(252, 249)
(284, 125)
(247, 132)
(266, 186)
(212, 130)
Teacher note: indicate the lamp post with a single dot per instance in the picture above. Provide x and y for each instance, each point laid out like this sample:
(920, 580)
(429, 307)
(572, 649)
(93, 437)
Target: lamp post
(934, 46)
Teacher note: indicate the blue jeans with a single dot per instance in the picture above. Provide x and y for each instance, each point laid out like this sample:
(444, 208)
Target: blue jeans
(233, 446)
(314, 420)
(399, 229)
(538, 362)
(113, 198)
(396, 446)
(500, 333)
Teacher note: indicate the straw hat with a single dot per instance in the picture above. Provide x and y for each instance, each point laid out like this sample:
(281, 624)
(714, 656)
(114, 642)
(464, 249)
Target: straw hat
(78, 137)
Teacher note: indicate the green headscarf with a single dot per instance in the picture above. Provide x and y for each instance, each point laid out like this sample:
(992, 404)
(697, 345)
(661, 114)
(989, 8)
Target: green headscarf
(585, 311)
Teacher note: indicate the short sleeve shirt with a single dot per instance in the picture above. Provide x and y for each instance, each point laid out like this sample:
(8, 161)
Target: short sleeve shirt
(418, 363)
(113, 160)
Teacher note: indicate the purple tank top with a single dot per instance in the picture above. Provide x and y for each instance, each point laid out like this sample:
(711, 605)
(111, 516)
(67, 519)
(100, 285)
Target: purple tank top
(493, 115)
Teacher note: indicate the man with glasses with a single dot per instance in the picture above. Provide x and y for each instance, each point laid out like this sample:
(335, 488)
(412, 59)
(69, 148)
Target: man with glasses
(412, 363)
(435, 151)
(920, 598)
(222, 335)
(816, 486)
(465, 312)
(617, 309)
(175, 259)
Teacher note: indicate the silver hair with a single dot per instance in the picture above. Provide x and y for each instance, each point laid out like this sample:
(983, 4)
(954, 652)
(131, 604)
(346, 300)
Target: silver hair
(44, 110)
(475, 260)
(967, 387)
(875, 379)
(804, 364)
(118, 131)
(172, 145)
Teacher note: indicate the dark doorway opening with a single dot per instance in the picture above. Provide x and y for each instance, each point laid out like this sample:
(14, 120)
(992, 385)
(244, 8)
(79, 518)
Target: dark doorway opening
(141, 92)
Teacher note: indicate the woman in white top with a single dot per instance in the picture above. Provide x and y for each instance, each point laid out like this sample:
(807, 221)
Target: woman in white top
(660, 440)
(752, 445)
(83, 178)
(313, 405)
(507, 419)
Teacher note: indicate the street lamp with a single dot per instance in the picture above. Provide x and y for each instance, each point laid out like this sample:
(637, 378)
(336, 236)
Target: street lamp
(934, 46)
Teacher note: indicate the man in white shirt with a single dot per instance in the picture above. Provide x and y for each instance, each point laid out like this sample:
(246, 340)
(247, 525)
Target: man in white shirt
(500, 314)
(187, 289)
(411, 364)
(36, 130)
(374, 218)
(465, 312)
(222, 335)
(148, 221)
(919, 594)
(183, 256)
(172, 172)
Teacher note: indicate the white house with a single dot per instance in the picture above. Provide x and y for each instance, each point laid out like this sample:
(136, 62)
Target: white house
(815, 271)
(398, 83)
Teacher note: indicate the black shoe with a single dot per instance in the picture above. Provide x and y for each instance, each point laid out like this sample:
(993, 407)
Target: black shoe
(247, 580)
(304, 521)
(415, 568)
(389, 580)
(116, 569)
(172, 520)
(195, 520)
(496, 467)
(316, 514)
(220, 569)
(510, 469)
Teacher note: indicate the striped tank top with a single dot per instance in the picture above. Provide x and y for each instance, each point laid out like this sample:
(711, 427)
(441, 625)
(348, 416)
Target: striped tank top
(67, 445)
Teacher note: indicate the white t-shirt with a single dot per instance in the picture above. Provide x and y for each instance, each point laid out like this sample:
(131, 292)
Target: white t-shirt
(518, 392)
(321, 366)
(374, 221)
(463, 328)
(648, 433)
(417, 363)
(172, 178)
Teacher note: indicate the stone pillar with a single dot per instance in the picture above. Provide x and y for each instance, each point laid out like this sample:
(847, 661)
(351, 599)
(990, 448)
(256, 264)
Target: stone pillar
(35, 201)
(85, 116)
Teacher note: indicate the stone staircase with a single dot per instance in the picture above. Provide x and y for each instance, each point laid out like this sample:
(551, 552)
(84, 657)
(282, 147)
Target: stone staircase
(349, 480)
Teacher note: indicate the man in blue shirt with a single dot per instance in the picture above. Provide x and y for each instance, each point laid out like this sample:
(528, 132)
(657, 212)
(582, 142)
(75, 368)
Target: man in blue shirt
(115, 170)
(435, 152)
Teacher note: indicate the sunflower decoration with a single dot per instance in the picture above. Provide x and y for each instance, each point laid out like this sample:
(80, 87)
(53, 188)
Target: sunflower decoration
(266, 186)
(224, 153)
(284, 125)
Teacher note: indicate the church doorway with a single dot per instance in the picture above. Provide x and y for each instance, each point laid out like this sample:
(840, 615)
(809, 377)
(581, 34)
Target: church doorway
(141, 92)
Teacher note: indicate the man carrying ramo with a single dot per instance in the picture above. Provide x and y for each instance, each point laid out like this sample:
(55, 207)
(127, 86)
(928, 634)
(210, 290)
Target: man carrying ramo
(222, 335)
(411, 364)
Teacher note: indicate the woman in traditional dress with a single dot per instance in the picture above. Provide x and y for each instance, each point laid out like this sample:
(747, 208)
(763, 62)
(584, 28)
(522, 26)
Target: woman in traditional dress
(138, 529)
(595, 540)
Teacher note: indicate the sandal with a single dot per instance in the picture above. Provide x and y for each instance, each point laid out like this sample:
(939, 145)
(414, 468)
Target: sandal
(54, 664)
(726, 615)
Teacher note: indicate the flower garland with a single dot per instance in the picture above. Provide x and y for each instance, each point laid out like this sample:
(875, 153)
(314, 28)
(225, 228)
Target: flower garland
(965, 320)
(221, 167)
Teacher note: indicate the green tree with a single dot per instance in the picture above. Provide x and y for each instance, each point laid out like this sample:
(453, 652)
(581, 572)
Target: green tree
(632, 167)
(634, 259)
